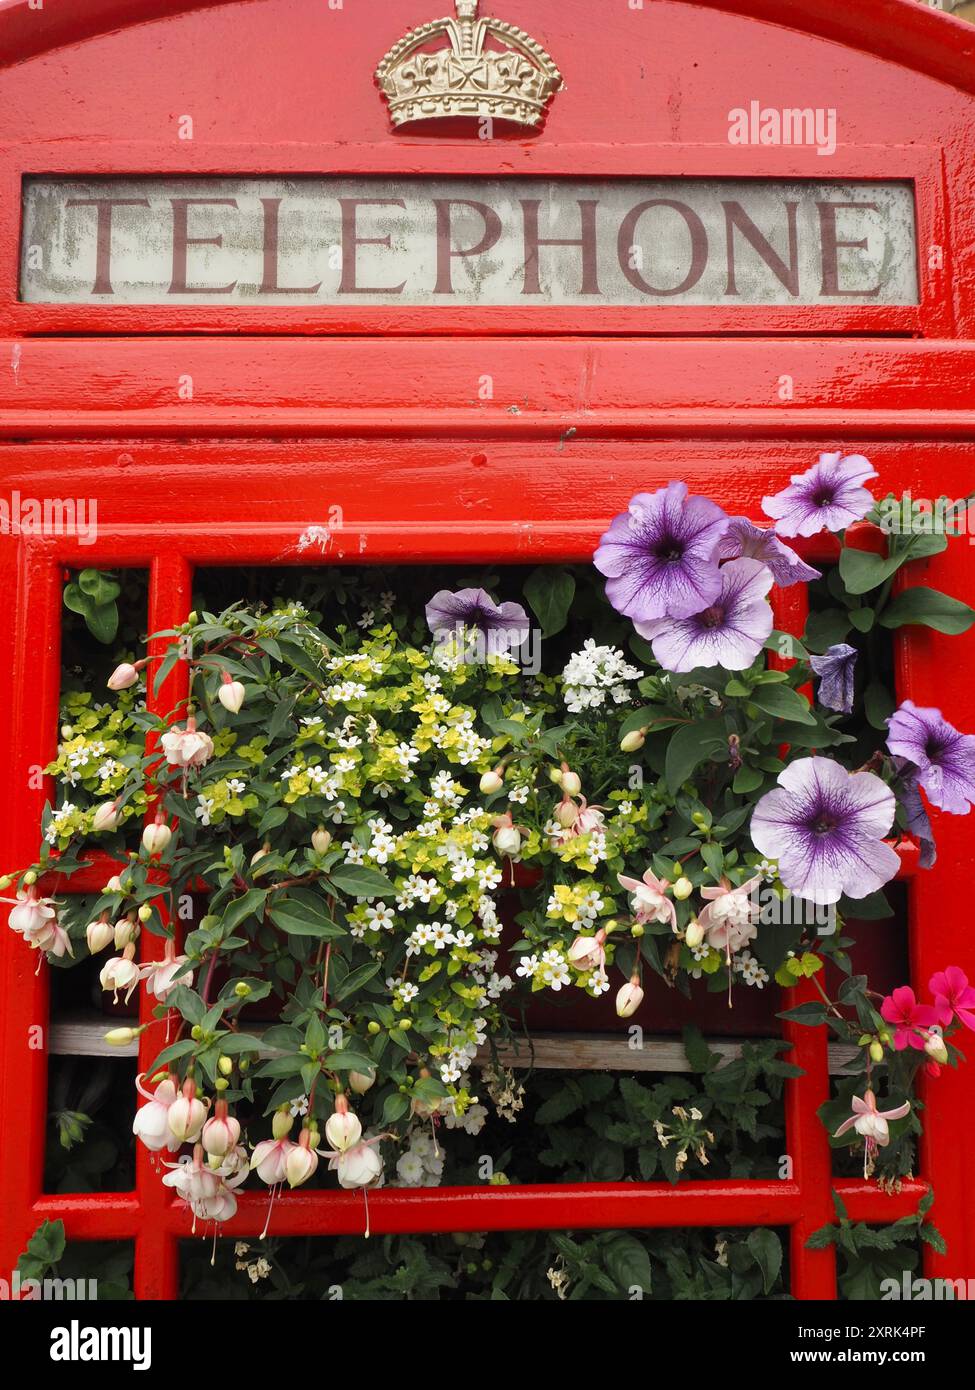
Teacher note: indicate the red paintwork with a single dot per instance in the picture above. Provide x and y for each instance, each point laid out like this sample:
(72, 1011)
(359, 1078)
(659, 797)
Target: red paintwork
(376, 411)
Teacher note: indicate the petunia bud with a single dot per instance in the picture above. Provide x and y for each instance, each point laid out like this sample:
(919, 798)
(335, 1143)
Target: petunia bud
(491, 782)
(633, 741)
(156, 837)
(342, 1128)
(630, 997)
(694, 935)
(682, 889)
(99, 934)
(361, 1082)
(320, 839)
(123, 676)
(232, 695)
(105, 817)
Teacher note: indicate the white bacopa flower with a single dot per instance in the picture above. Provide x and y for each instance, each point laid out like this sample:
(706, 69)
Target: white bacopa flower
(380, 917)
(528, 967)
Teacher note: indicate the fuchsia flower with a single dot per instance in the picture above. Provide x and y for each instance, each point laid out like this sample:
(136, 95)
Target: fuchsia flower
(650, 902)
(188, 747)
(160, 976)
(954, 997)
(151, 1123)
(729, 918)
(871, 1124)
(910, 1019)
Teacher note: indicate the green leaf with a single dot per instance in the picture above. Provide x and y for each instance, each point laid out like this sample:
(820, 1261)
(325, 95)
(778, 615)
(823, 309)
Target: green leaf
(783, 703)
(102, 620)
(928, 608)
(298, 919)
(628, 1264)
(878, 705)
(250, 904)
(861, 570)
(357, 978)
(550, 591)
(766, 1250)
(359, 881)
(689, 747)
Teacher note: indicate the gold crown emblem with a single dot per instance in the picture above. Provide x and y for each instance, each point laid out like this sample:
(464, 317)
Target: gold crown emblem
(511, 82)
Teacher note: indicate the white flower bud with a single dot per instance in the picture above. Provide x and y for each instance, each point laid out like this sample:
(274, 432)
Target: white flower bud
(361, 1082)
(491, 782)
(232, 695)
(123, 676)
(156, 837)
(343, 1130)
(633, 741)
(694, 935)
(321, 839)
(105, 817)
(571, 783)
(629, 998)
(683, 888)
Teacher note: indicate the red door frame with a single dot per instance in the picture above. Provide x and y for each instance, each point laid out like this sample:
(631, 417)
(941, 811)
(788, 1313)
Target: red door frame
(277, 434)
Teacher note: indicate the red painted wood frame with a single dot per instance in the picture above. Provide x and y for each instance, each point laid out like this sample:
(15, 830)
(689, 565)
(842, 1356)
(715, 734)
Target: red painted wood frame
(281, 429)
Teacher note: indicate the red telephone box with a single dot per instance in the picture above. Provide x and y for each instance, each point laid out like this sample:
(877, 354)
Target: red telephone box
(216, 427)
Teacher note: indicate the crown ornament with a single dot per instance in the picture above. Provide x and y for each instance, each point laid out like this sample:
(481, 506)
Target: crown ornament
(511, 80)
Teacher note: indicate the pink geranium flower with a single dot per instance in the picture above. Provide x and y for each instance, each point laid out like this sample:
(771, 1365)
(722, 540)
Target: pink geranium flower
(910, 1019)
(953, 996)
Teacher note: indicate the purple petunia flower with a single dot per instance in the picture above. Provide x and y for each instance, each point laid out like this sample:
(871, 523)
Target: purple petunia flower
(505, 627)
(826, 828)
(944, 758)
(829, 496)
(744, 540)
(659, 556)
(730, 632)
(835, 671)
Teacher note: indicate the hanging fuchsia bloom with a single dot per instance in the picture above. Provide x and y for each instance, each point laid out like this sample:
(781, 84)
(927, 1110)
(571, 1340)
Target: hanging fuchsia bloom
(188, 747)
(729, 633)
(944, 758)
(588, 952)
(828, 497)
(650, 902)
(729, 919)
(910, 1019)
(32, 915)
(871, 1124)
(161, 976)
(151, 1123)
(745, 541)
(954, 997)
(826, 828)
(659, 556)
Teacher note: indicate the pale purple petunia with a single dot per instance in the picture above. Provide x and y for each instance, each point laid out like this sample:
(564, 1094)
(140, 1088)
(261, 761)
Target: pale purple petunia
(659, 556)
(829, 496)
(505, 626)
(944, 758)
(826, 828)
(730, 632)
(744, 540)
(835, 671)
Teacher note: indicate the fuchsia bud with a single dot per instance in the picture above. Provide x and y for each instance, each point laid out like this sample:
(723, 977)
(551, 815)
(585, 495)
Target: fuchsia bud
(342, 1129)
(123, 676)
(302, 1160)
(361, 1082)
(221, 1133)
(105, 817)
(587, 952)
(566, 812)
(99, 934)
(320, 840)
(492, 781)
(694, 935)
(157, 836)
(231, 694)
(629, 998)
(571, 782)
(187, 1115)
(126, 932)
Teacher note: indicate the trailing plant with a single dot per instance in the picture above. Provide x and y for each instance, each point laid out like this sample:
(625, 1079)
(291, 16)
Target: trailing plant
(351, 799)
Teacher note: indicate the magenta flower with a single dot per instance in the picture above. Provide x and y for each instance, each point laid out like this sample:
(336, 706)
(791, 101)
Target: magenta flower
(944, 758)
(745, 541)
(835, 671)
(505, 625)
(910, 1019)
(659, 556)
(826, 828)
(730, 632)
(828, 497)
(953, 996)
